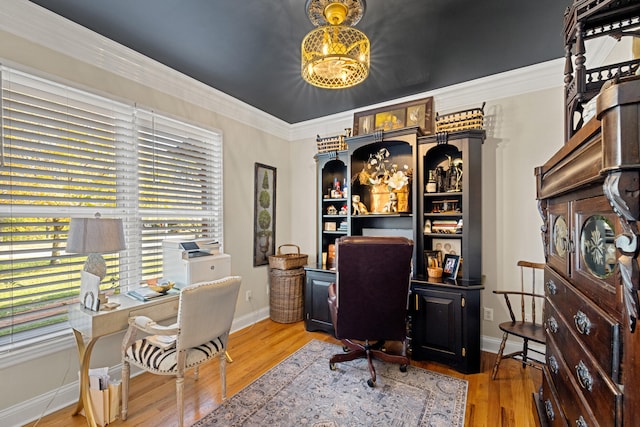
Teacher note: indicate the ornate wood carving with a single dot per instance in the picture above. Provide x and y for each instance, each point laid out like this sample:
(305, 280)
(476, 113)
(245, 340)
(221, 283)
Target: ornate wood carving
(622, 189)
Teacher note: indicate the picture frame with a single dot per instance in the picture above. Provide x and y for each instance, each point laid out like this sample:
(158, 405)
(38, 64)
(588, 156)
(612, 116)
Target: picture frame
(447, 246)
(432, 259)
(89, 291)
(264, 213)
(450, 266)
(413, 113)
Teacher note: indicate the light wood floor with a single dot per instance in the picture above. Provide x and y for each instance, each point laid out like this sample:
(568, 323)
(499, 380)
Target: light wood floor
(503, 402)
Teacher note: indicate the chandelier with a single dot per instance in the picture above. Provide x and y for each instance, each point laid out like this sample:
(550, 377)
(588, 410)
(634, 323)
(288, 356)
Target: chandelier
(334, 54)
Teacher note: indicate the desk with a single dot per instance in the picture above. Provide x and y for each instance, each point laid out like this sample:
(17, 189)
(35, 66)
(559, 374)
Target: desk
(89, 325)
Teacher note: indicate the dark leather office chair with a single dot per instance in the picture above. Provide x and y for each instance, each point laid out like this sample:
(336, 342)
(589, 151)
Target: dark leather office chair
(368, 302)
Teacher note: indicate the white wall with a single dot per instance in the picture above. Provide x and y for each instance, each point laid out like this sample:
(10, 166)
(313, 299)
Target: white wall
(524, 127)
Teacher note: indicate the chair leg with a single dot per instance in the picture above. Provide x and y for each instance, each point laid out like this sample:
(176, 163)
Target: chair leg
(180, 398)
(525, 350)
(125, 390)
(499, 355)
(223, 375)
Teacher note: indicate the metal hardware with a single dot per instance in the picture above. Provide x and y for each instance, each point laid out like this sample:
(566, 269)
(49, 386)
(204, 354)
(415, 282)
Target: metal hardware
(580, 422)
(548, 408)
(552, 288)
(552, 324)
(584, 376)
(553, 364)
(582, 322)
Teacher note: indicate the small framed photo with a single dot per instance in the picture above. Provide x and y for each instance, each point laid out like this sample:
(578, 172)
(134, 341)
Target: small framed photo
(432, 259)
(450, 266)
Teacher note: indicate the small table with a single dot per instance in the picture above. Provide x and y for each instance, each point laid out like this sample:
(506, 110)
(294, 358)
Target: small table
(89, 325)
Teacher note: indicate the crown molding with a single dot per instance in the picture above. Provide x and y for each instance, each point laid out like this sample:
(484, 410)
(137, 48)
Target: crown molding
(40, 26)
(529, 79)
(43, 27)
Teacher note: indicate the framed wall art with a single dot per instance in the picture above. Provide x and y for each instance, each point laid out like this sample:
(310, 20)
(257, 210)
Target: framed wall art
(412, 113)
(264, 214)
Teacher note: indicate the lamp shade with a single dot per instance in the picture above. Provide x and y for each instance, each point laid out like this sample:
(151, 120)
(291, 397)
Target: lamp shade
(95, 235)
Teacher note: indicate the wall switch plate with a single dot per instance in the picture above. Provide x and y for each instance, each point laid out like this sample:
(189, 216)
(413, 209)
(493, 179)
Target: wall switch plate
(488, 314)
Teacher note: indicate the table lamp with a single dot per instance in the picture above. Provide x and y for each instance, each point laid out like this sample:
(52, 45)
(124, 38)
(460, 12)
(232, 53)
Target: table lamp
(94, 237)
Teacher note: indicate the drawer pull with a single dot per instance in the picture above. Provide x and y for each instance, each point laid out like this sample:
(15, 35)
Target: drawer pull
(584, 377)
(552, 289)
(580, 422)
(552, 324)
(553, 364)
(548, 408)
(583, 324)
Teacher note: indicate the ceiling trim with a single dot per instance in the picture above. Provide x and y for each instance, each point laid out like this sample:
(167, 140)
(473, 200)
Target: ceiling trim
(38, 25)
(43, 27)
(469, 94)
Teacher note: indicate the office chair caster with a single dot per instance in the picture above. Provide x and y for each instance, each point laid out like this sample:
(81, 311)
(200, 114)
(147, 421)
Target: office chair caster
(403, 368)
(371, 383)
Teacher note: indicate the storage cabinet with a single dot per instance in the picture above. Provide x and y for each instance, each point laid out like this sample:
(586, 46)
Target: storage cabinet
(445, 324)
(316, 309)
(332, 218)
(588, 194)
(452, 215)
(445, 315)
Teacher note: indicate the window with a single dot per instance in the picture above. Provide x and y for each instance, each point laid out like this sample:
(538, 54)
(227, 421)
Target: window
(68, 153)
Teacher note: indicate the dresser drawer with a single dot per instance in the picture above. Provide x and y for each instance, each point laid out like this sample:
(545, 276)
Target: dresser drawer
(598, 331)
(576, 366)
(553, 413)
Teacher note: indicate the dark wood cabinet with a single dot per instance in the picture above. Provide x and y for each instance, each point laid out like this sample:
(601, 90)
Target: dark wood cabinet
(445, 324)
(445, 315)
(588, 195)
(316, 308)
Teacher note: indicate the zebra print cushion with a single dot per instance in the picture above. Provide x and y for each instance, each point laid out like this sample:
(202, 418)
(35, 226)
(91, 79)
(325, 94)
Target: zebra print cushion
(145, 354)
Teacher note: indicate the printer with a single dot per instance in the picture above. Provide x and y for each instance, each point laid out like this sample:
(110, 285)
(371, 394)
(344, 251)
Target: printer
(188, 261)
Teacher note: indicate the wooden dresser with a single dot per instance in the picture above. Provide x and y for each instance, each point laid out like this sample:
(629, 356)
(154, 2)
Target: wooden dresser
(588, 194)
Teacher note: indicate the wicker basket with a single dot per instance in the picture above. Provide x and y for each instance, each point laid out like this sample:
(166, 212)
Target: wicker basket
(286, 301)
(331, 143)
(461, 120)
(287, 261)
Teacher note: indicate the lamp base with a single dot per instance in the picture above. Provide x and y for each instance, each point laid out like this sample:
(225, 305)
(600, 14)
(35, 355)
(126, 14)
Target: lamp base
(96, 265)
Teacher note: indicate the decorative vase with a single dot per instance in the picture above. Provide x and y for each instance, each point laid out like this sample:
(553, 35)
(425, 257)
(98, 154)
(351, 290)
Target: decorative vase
(379, 197)
(403, 198)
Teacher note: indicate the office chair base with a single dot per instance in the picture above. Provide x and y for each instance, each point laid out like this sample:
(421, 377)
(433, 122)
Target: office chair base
(355, 350)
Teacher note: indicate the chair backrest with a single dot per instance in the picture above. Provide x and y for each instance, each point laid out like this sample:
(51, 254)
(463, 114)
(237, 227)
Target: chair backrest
(531, 275)
(373, 279)
(206, 311)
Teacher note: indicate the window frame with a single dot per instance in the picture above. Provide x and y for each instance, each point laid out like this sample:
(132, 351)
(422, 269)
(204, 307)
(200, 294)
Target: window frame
(128, 264)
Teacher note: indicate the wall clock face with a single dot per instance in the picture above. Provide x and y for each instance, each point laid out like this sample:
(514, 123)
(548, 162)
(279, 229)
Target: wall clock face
(560, 236)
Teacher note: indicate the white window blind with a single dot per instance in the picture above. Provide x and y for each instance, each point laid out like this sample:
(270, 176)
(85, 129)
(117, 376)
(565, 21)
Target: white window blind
(178, 198)
(66, 153)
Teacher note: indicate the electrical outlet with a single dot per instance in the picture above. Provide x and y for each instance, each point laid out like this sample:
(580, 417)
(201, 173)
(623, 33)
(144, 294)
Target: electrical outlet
(488, 314)
(248, 295)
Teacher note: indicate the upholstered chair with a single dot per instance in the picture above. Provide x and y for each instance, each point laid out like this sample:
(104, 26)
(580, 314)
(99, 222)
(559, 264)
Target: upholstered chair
(368, 302)
(201, 333)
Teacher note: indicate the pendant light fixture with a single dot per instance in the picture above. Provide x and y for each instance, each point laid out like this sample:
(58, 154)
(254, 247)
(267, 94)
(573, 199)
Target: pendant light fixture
(335, 55)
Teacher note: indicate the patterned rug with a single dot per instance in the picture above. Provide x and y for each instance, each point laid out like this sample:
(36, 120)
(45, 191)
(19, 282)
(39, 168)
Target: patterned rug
(303, 391)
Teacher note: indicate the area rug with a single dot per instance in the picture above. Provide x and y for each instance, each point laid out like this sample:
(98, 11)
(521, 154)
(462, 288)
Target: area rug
(303, 391)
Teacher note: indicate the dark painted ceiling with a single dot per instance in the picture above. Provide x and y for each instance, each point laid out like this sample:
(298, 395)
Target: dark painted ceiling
(250, 49)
